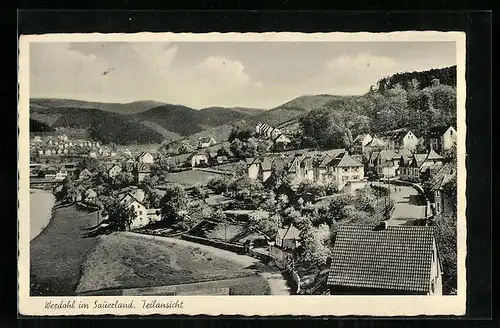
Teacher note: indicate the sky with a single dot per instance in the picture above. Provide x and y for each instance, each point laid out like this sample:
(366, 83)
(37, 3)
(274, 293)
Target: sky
(229, 74)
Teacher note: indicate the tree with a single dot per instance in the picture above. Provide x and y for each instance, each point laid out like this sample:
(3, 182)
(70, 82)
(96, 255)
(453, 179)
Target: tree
(88, 163)
(123, 179)
(236, 148)
(309, 190)
(120, 217)
(446, 239)
(68, 191)
(240, 133)
(218, 185)
(186, 147)
(245, 188)
(316, 247)
(199, 193)
(225, 150)
(172, 203)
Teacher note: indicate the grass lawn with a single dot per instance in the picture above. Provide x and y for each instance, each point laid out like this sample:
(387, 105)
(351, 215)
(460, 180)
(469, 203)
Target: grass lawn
(57, 253)
(191, 177)
(124, 260)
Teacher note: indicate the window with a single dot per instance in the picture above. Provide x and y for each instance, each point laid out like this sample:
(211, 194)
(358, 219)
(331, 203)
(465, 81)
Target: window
(451, 132)
(346, 169)
(140, 212)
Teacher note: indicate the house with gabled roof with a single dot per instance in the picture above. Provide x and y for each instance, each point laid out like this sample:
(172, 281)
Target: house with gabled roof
(400, 138)
(287, 238)
(143, 215)
(360, 142)
(344, 170)
(141, 171)
(253, 168)
(84, 174)
(385, 260)
(384, 165)
(145, 158)
(205, 142)
(441, 202)
(442, 138)
(418, 165)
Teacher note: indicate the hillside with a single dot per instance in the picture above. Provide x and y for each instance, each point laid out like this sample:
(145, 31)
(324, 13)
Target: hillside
(122, 108)
(187, 121)
(101, 125)
(446, 76)
(242, 110)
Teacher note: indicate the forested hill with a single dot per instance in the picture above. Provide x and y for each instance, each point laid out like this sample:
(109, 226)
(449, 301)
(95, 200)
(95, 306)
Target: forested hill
(446, 76)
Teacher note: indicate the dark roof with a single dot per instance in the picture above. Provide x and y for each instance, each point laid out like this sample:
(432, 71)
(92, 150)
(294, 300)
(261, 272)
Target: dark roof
(397, 134)
(395, 258)
(143, 167)
(438, 131)
(445, 174)
(344, 161)
(267, 163)
(205, 139)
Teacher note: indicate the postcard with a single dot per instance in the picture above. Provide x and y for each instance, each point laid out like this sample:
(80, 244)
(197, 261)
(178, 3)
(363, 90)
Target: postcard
(318, 174)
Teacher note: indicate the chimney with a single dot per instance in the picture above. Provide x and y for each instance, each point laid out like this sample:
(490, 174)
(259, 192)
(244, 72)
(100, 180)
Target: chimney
(381, 226)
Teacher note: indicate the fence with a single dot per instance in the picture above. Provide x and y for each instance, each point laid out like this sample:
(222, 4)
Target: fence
(213, 171)
(219, 244)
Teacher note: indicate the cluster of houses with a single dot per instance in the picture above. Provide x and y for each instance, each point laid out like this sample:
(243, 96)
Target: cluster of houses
(410, 260)
(266, 131)
(440, 139)
(63, 146)
(335, 167)
(395, 154)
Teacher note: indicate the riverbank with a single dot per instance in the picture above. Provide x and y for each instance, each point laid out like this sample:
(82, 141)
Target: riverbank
(57, 253)
(41, 204)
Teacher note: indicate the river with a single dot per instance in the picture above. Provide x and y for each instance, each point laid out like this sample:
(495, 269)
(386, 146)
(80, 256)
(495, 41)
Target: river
(41, 203)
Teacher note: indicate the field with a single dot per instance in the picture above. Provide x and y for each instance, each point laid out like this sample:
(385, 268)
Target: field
(127, 260)
(58, 252)
(191, 177)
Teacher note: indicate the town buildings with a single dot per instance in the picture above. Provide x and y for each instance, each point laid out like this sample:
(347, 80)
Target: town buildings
(391, 260)
(414, 169)
(143, 215)
(205, 142)
(360, 142)
(442, 138)
(400, 138)
(335, 167)
(145, 158)
(442, 202)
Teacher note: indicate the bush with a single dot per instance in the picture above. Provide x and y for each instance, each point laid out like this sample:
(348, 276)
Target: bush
(218, 185)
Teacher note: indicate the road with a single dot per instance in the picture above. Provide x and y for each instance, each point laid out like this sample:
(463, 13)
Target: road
(409, 205)
(277, 283)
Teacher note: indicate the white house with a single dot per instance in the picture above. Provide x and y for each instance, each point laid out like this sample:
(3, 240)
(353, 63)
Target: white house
(198, 159)
(413, 169)
(442, 138)
(114, 171)
(400, 138)
(61, 174)
(205, 142)
(253, 168)
(93, 154)
(127, 152)
(143, 215)
(360, 142)
(282, 139)
(90, 195)
(145, 158)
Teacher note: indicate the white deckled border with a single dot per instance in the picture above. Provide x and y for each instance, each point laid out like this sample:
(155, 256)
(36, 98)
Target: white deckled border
(247, 305)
